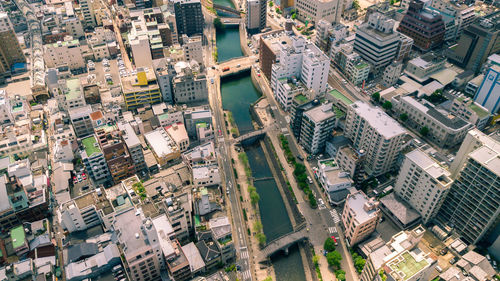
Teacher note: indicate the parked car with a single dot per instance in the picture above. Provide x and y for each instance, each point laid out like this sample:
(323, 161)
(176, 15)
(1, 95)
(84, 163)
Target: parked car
(309, 180)
(335, 240)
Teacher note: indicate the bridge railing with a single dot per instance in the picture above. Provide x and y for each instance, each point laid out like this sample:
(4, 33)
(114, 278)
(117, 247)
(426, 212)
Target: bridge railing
(299, 228)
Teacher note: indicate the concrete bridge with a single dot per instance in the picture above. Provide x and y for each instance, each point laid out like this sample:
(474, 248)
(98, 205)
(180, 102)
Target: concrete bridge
(236, 65)
(283, 243)
(227, 10)
(231, 22)
(251, 135)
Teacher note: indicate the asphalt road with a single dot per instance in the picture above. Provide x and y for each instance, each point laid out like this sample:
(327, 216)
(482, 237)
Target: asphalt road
(224, 145)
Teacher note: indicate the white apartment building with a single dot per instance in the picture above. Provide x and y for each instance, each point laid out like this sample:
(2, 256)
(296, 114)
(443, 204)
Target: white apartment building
(93, 159)
(470, 111)
(302, 60)
(317, 126)
(70, 94)
(331, 177)
(471, 207)
(206, 175)
(316, 10)
(356, 69)
(285, 91)
(63, 151)
(64, 53)
(391, 74)
(315, 69)
(377, 42)
(359, 217)
(5, 109)
(370, 129)
(140, 244)
(193, 50)
(445, 129)
(462, 14)
(84, 211)
(423, 183)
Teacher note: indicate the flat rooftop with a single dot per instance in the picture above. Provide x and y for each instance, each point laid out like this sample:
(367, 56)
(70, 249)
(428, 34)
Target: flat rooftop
(430, 166)
(357, 203)
(406, 265)
(488, 157)
(378, 119)
(338, 95)
(90, 145)
(320, 113)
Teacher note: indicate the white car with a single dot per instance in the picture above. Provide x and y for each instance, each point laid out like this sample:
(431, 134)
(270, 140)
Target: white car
(321, 202)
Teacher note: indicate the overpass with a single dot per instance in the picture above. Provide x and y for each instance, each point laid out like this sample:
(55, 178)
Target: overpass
(283, 242)
(230, 22)
(227, 10)
(236, 65)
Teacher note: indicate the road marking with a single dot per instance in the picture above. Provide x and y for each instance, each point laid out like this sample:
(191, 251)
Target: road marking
(246, 275)
(332, 229)
(335, 216)
(244, 255)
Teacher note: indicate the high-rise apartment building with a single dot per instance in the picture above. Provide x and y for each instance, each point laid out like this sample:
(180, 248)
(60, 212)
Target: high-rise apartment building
(477, 41)
(315, 10)
(301, 60)
(10, 50)
(472, 207)
(423, 183)
(134, 146)
(488, 94)
(88, 13)
(424, 26)
(93, 159)
(80, 119)
(193, 49)
(256, 15)
(317, 125)
(188, 17)
(372, 130)
(360, 217)
(377, 42)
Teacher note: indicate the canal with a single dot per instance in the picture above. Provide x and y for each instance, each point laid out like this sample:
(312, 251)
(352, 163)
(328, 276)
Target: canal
(238, 93)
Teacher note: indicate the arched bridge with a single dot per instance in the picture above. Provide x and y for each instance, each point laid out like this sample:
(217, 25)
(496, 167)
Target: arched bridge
(227, 10)
(252, 134)
(283, 243)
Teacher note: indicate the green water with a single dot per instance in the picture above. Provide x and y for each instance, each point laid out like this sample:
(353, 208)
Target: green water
(228, 44)
(227, 3)
(238, 93)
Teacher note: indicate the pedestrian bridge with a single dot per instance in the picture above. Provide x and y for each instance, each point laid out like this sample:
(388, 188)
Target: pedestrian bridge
(250, 135)
(283, 243)
(227, 10)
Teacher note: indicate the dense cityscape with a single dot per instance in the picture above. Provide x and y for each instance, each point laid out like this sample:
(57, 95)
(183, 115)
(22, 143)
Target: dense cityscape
(286, 140)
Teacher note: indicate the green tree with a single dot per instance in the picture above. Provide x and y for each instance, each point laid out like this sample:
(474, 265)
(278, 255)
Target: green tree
(359, 263)
(329, 245)
(254, 197)
(257, 227)
(376, 96)
(387, 105)
(312, 200)
(315, 260)
(271, 3)
(355, 4)
(392, 2)
(294, 16)
(340, 274)
(403, 117)
(334, 258)
(278, 10)
(268, 278)
(219, 25)
(424, 131)
(261, 237)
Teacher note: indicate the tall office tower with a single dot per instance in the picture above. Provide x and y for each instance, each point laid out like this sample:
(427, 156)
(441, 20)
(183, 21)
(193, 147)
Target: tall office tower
(423, 183)
(10, 50)
(424, 26)
(315, 10)
(256, 15)
(478, 41)
(472, 207)
(381, 137)
(377, 42)
(488, 94)
(188, 17)
(88, 13)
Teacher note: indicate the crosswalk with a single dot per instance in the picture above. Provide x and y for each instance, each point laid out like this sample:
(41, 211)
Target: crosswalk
(335, 216)
(244, 254)
(246, 275)
(332, 229)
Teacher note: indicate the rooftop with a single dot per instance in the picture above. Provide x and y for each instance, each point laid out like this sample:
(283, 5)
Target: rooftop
(73, 89)
(160, 142)
(488, 157)
(378, 119)
(403, 212)
(90, 145)
(338, 95)
(430, 166)
(406, 265)
(357, 202)
(320, 113)
(18, 237)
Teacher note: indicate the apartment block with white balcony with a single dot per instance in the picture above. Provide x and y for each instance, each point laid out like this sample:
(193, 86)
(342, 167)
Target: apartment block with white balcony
(359, 217)
(423, 183)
